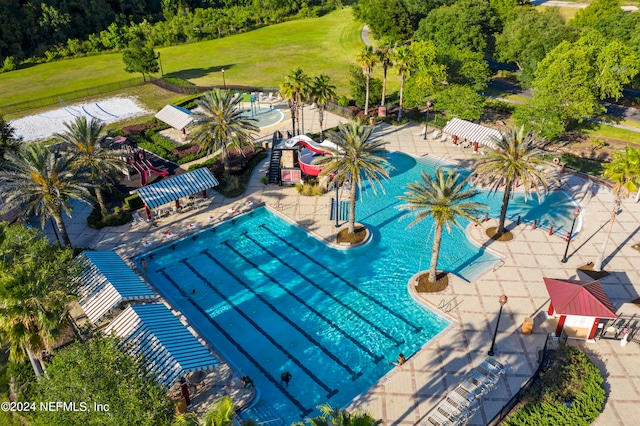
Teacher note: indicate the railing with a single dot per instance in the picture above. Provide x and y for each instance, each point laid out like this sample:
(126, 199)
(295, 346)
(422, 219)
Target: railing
(69, 96)
(506, 409)
(194, 90)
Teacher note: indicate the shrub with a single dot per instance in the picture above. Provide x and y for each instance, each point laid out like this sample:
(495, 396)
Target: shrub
(568, 393)
(309, 189)
(208, 162)
(159, 140)
(139, 129)
(9, 64)
(177, 81)
(133, 202)
(238, 184)
(343, 101)
(97, 221)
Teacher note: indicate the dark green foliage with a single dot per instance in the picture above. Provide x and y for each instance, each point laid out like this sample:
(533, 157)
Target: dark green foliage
(585, 165)
(95, 219)
(386, 18)
(459, 101)
(177, 81)
(133, 202)
(568, 393)
(140, 57)
(358, 84)
(9, 142)
(206, 163)
(231, 191)
(99, 371)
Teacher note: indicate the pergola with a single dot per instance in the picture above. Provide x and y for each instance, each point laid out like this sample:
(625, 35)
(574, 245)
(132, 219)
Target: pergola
(475, 133)
(174, 188)
(174, 116)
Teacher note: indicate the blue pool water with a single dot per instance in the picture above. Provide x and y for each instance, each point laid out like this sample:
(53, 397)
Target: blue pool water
(272, 298)
(265, 116)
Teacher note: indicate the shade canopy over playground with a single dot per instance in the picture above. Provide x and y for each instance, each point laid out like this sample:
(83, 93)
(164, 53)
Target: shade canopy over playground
(176, 187)
(462, 129)
(169, 349)
(106, 282)
(174, 116)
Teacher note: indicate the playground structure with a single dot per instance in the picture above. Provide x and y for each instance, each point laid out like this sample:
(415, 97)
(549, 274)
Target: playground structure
(137, 159)
(309, 152)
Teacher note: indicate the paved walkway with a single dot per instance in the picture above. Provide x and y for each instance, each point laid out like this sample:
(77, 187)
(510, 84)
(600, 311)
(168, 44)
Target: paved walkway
(406, 394)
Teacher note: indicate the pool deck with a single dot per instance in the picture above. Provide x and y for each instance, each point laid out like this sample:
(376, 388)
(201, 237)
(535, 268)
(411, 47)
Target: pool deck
(407, 393)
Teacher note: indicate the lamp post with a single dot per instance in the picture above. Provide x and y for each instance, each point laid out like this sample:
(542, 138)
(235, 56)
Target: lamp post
(576, 213)
(426, 124)
(337, 209)
(503, 301)
(224, 83)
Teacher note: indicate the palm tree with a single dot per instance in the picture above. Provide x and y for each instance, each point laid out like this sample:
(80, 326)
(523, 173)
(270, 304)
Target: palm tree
(43, 182)
(624, 171)
(295, 89)
(220, 125)
(322, 91)
(404, 62)
(516, 158)
(367, 59)
(85, 140)
(445, 199)
(355, 158)
(221, 414)
(341, 417)
(385, 56)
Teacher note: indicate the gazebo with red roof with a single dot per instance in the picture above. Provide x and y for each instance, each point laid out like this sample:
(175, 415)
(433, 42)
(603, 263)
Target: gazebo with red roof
(579, 306)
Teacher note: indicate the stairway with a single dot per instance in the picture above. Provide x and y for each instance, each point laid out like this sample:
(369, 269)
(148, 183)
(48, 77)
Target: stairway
(343, 210)
(274, 166)
(263, 414)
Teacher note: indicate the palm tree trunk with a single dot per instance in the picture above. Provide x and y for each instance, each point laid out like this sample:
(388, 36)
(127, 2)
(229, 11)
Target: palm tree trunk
(435, 253)
(57, 217)
(384, 85)
(503, 209)
(366, 96)
(352, 209)
(302, 118)
(598, 265)
(321, 119)
(293, 119)
(401, 93)
(227, 165)
(101, 201)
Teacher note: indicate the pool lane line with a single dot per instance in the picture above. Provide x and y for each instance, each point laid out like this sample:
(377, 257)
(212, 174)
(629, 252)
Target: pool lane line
(285, 392)
(376, 358)
(331, 392)
(288, 320)
(416, 329)
(331, 296)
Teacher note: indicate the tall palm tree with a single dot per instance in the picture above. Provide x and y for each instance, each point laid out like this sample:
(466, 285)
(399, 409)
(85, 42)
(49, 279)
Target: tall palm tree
(43, 182)
(404, 62)
(444, 198)
(341, 417)
(323, 92)
(367, 59)
(220, 125)
(516, 158)
(86, 141)
(295, 89)
(624, 171)
(385, 56)
(355, 158)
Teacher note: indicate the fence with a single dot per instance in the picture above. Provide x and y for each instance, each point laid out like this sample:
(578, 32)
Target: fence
(194, 90)
(69, 96)
(550, 343)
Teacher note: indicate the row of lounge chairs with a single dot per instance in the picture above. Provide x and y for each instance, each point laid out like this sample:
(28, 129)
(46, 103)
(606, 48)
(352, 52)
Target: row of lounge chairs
(462, 402)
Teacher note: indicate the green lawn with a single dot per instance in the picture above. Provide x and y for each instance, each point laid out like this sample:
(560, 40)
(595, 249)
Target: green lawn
(259, 58)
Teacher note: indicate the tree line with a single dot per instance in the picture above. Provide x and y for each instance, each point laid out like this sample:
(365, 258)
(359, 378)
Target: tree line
(46, 31)
(571, 66)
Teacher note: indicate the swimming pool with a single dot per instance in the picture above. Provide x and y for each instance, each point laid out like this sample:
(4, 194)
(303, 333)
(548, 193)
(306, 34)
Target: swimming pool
(265, 116)
(274, 299)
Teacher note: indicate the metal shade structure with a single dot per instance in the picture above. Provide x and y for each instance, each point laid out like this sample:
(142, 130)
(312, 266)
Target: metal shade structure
(174, 116)
(472, 132)
(176, 187)
(580, 298)
(106, 282)
(168, 347)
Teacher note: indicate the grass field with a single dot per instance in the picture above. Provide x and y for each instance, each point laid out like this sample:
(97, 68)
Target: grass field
(261, 58)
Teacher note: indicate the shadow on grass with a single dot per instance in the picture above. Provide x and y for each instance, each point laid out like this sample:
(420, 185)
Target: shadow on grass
(199, 72)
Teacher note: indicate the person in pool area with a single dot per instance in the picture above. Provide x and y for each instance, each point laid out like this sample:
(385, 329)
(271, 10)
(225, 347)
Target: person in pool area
(285, 377)
(144, 264)
(247, 382)
(401, 360)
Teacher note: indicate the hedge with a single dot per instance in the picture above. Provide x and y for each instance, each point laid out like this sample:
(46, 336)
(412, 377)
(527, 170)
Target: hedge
(133, 202)
(97, 221)
(231, 191)
(568, 393)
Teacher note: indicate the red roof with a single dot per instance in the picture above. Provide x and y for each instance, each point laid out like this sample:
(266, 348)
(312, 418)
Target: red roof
(575, 297)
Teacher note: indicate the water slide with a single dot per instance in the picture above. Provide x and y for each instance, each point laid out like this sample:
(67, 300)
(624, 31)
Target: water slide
(307, 142)
(146, 163)
(139, 169)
